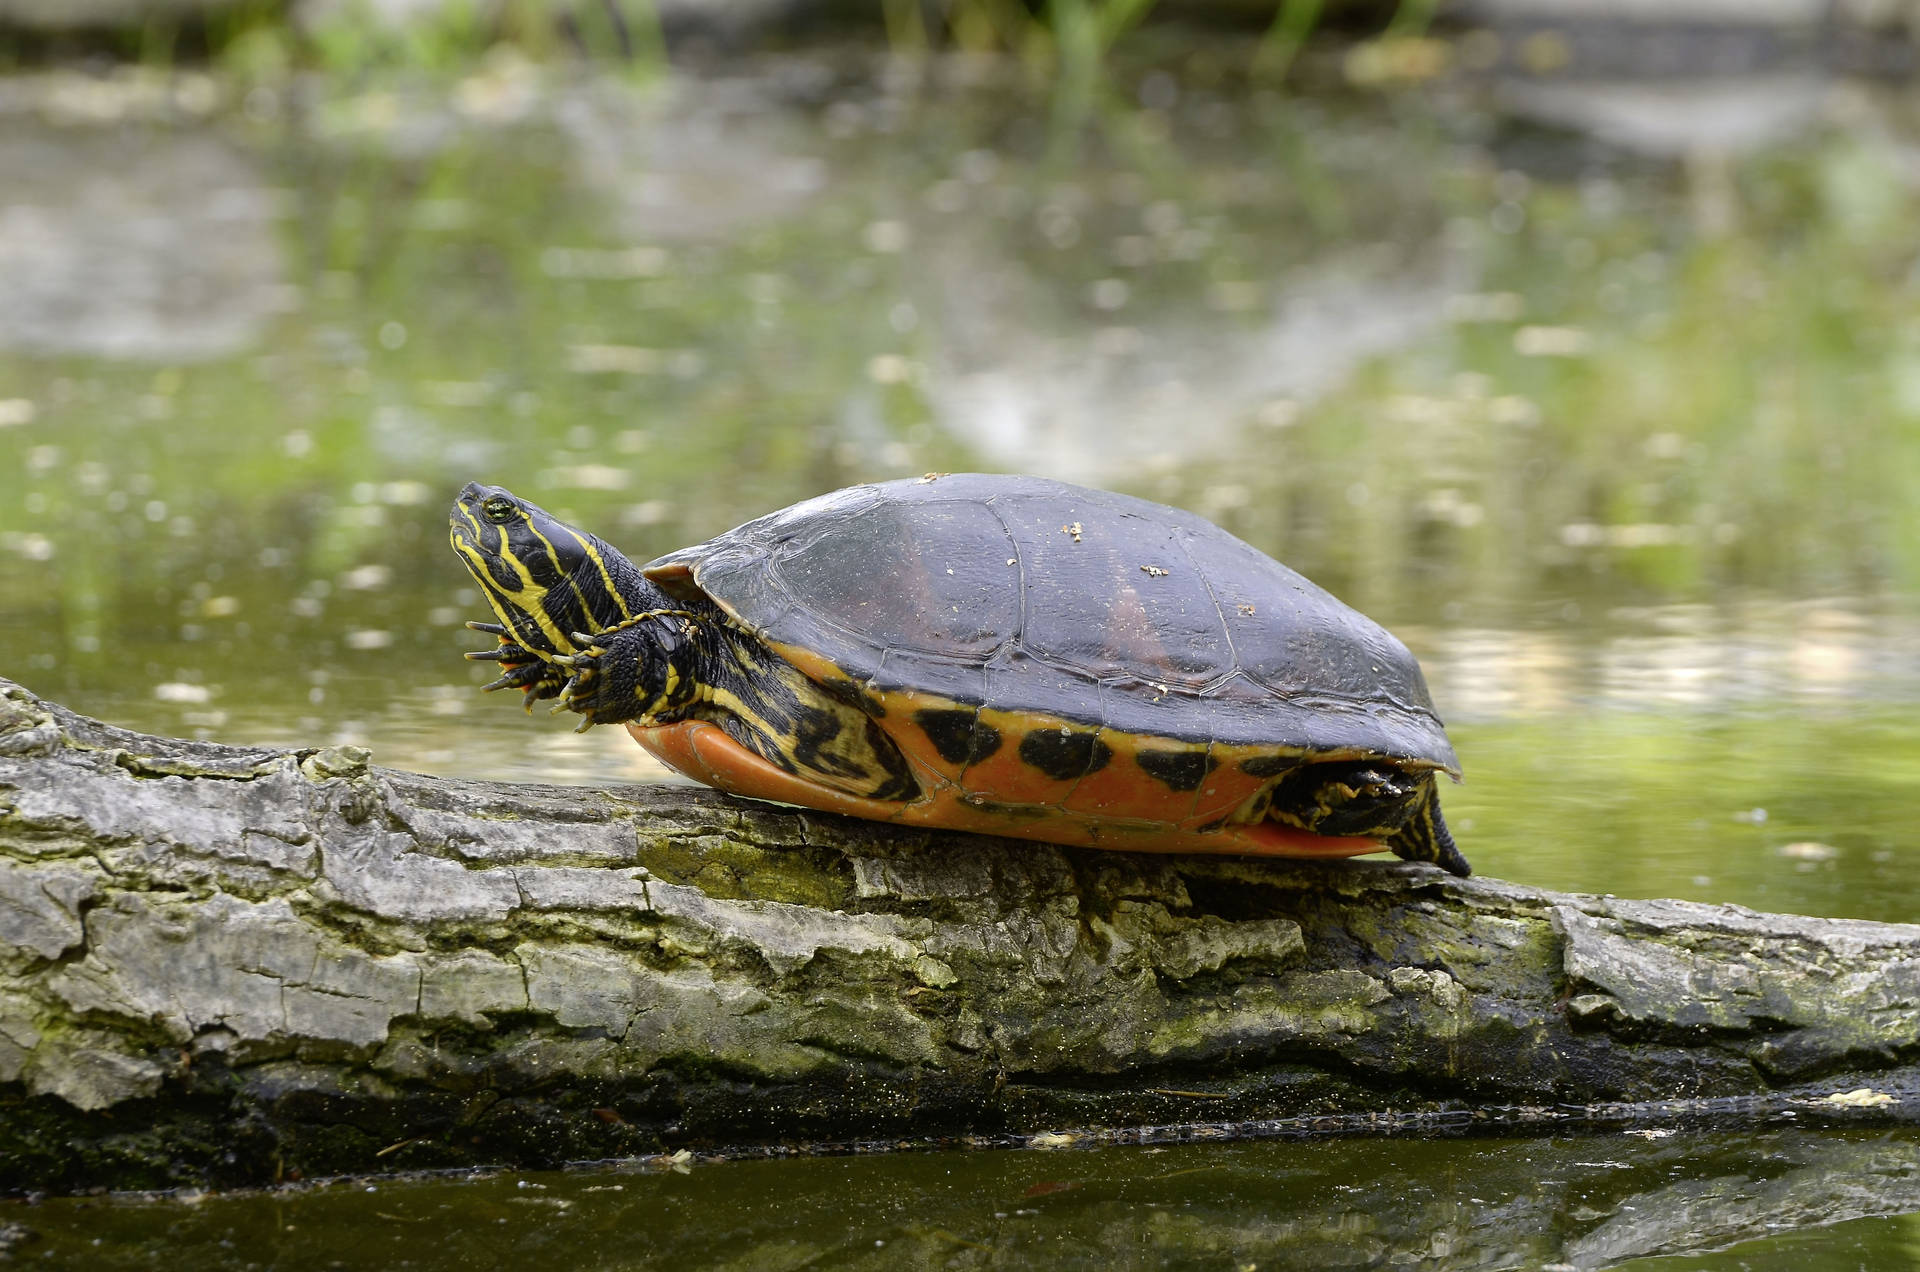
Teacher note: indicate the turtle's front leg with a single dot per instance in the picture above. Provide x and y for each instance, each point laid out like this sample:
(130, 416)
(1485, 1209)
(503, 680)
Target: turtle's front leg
(667, 666)
(644, 670)
(521, 668)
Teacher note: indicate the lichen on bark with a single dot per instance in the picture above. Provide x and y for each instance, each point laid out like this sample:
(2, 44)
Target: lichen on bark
(225, 964)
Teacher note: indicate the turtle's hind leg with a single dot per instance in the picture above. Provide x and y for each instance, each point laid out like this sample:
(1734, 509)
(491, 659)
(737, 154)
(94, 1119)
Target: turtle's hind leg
(1425, 837)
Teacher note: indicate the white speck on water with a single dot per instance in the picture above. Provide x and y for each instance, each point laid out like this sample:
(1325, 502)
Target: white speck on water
(606, 359)
(366, 578)
(1109, 294)
(977, 167)
(587, 477)
(34, 547)
(886, 236)
(1551, 342)
(405, 494)
(889, 368)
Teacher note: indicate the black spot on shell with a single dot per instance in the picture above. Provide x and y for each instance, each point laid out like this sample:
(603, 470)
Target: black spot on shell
(958, 736)
(1063, 754)
(1269, 765)
(1180, 770)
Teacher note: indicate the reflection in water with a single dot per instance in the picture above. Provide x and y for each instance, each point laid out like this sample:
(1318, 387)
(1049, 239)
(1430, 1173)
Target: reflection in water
(1177, 382)
(1623, 447)
(697, 160)
(1571, 1204)
(1582, 457)
(1677, 656)
(1843, 1182)
(196, 273)
(1718, 115)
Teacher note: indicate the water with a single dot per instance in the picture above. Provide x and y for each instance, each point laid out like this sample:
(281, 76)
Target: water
(1840, 1201)
(1617, 426)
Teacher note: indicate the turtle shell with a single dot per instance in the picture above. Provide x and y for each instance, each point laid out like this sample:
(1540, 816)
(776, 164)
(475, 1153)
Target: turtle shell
(984, 608)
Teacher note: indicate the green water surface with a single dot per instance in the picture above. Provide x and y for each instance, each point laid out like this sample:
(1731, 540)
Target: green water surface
(1624, 441)
(1761, 1201)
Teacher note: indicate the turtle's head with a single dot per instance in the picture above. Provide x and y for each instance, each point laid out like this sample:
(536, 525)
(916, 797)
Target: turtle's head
(544, 578)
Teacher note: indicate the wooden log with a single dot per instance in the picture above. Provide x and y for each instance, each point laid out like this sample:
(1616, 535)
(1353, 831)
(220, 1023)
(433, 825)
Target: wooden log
(229, 965)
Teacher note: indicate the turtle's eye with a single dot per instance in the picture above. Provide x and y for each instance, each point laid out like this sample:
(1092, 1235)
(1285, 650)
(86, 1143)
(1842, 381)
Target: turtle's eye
(499, 510)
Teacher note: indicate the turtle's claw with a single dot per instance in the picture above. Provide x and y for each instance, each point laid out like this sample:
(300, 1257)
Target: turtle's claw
(582, 687)
(534, 678)
(521, 665)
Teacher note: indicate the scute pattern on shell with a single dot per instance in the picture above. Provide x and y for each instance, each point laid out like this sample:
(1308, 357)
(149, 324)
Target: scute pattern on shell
(1028, 595)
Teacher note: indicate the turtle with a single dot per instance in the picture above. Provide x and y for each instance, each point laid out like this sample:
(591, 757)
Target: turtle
(1001, 654)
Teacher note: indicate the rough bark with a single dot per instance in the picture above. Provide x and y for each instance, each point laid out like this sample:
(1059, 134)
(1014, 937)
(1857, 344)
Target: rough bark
(230, 965)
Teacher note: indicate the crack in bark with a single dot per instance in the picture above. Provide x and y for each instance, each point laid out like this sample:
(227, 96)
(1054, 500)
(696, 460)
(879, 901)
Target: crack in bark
(748, 972)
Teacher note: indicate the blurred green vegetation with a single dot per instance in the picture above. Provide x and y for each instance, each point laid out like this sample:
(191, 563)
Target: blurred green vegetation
(1624, 397)
(660, 321)
(1070, 43)
(1621, 406)
(1631, 406)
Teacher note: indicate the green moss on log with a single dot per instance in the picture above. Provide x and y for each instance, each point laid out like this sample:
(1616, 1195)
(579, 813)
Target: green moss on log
(227, 964)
